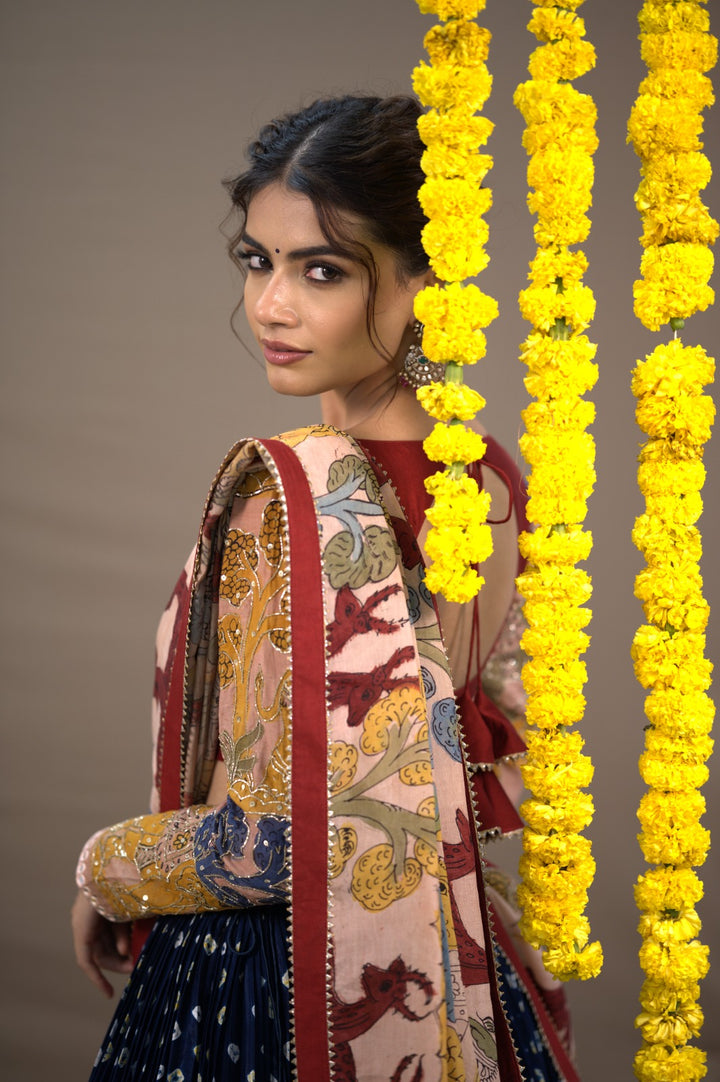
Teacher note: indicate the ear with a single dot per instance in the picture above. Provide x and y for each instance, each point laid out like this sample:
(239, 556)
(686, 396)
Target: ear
(421, 281)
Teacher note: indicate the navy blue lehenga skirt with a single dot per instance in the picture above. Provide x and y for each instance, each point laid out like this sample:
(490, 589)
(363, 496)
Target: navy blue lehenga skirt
(208, 1001)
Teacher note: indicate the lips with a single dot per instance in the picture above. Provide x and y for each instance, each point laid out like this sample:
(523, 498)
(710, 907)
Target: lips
(281, 352)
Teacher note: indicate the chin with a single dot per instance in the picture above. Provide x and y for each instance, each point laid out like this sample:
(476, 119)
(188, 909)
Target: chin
(289, 383)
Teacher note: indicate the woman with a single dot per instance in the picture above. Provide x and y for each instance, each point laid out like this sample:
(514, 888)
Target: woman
(313, 856)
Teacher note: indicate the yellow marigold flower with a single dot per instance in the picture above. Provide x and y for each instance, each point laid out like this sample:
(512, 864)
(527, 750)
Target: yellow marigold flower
(569, 963)
(692, 91)
(548, 708)
(561, 174)
(540, 612)
(566, 414)
(455, 544)
(548, 504)
(670, 775)
(676, 964)
(457, 509)
(556, 644)
(682, 510)
(550, 24)
(558, 367)
(555, 928)
(549, 265)
(668, 889)
(570, 5)
(455, 250)
(544, 305)
(544, 879)
(674, 1028)
(449, 86)
(572, 812)
(657, 19)
(656, 998)
(454, 316)
(663, 658)
(540, 678)
(451, 9)
(548, 784)
(440, 160)
(445, 401)
(672, 591)
(555, 749)
(686, 714)
(461, 42)
(690, 171)
(454, 443)
(556, 114)
(658, 1063)
(673, 368)
(671, 830)
(669, 746)
(550, 545)
(453, 197)
(683, 49)
(555, 585)
(455, 582)
(686, 846)
(678, 928)
(659, 126)
(455, 129)
(679, 478)
(674, 283)
(572, 449)
(686, 417)
(564, 59)
(559, 849)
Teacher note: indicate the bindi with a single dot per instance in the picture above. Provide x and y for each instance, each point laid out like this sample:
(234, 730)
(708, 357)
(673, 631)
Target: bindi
(277, 251)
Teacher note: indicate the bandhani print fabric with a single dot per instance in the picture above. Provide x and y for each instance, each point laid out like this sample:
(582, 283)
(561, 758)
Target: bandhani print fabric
(313, 655)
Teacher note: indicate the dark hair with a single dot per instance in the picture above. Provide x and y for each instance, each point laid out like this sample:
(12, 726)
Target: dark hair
(348, 155)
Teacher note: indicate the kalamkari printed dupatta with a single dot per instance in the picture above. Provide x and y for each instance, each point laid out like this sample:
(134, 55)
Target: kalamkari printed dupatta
(315, 657)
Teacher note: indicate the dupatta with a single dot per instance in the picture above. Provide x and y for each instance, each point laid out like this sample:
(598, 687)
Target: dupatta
(313, 653)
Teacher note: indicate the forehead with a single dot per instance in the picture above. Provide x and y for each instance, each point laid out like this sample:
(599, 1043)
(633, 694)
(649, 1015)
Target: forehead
(281, 213)
(282, 218)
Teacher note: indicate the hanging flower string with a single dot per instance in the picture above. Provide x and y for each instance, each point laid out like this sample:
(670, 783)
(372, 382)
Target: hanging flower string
(668, 651)
(454, 87)
(557, 865)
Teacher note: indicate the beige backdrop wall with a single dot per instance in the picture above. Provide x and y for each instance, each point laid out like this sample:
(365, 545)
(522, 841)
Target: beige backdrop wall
(123, 386)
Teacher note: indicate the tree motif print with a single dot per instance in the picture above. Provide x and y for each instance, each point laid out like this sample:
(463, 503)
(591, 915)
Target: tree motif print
(250, 581)
(356, 555)
(395, 735)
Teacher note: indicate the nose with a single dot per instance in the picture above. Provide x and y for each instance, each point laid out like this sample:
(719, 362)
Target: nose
(273, 303)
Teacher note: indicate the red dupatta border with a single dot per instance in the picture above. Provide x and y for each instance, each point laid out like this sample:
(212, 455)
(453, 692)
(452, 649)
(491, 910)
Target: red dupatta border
(309, 778)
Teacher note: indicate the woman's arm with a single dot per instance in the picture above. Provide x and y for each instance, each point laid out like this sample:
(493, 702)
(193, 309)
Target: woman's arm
(193, 860)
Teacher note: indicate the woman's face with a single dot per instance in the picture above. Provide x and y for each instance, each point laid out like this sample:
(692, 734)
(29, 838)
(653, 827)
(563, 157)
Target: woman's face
(307, 304)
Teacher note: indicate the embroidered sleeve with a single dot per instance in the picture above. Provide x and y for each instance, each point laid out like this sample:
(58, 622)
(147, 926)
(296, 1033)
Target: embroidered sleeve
(187, 861)
(201, 857)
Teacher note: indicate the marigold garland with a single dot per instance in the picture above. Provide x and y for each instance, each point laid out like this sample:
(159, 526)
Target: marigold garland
(557, 865)
(454, 86)
(665, 128)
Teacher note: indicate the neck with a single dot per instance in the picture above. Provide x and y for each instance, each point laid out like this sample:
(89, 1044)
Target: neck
(384, 411)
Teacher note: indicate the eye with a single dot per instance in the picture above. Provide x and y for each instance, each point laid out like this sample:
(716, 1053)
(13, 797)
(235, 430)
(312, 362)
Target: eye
(254, 261)
(324, 272)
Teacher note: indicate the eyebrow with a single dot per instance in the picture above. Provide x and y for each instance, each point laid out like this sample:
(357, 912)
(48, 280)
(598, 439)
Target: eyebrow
(297, 253)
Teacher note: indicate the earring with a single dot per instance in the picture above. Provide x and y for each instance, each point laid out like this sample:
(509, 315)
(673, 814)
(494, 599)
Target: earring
(417, 370)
